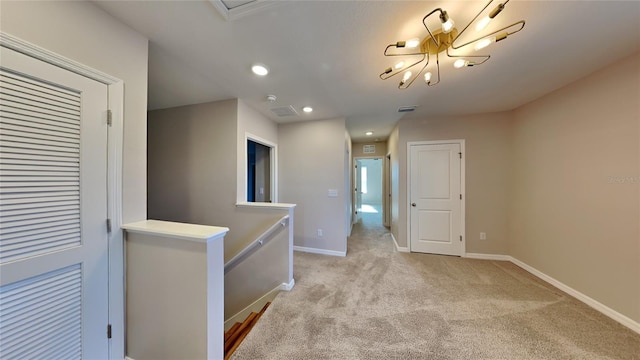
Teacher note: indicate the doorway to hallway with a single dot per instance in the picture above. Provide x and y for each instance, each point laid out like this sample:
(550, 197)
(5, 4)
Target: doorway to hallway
(369, 190)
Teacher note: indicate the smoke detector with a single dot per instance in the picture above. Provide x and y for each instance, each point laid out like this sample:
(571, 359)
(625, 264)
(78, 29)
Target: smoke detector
(271, 98)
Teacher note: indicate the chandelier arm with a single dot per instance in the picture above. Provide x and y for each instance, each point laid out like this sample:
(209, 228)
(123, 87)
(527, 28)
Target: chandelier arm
(521, 23)
(433, 38)
(386, 75)
(485, 57)
(405, 85)
(403, 54)
(437, 67)
(470, 22)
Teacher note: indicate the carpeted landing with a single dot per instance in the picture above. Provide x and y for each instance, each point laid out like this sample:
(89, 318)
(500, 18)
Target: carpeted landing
(380, 304)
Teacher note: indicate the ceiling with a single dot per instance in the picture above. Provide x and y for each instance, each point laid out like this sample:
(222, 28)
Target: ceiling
(329, 54)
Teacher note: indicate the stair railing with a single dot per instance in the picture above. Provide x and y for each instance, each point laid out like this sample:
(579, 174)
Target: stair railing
(256, 244)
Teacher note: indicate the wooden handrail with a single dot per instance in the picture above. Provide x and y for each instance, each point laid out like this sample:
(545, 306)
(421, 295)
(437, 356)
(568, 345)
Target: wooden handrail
(259, 241)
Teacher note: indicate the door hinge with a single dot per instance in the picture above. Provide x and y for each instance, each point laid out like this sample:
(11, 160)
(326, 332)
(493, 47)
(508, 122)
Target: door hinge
(109, 226)
(109, 117)
(460, 237)
(460, 155)
(109, 331)
(460, 196)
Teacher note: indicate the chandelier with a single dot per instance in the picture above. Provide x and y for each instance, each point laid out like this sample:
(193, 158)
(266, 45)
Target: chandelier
(444, 41)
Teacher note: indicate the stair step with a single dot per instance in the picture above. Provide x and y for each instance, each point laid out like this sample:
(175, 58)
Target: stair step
(234, 336)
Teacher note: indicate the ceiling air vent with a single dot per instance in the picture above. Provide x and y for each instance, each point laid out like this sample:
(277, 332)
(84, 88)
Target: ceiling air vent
(284, 111)
(403, 109)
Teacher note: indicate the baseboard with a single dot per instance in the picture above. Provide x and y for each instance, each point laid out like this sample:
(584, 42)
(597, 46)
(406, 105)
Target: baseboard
(289, 286)
(256, 306)
(609, 312)
(128, 358)
(398, 248)
(320, 251)
(487, 256)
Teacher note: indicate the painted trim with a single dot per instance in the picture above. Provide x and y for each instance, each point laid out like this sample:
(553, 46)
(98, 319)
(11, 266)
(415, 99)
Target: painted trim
(115, 103)
(487, 257)
(255, 306)
(273, 159)
(320, 251)
(463, 204)
(607, 311)
(277, 206)
(288, 286)
(398, 248)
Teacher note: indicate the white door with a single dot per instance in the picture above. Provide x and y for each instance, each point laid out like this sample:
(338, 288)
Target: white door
(358, 190)
(53, 208)
(435, 199)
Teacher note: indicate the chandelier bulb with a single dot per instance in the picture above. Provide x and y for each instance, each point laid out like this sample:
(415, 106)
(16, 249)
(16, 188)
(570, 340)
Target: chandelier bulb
(412, 43)
(484, 43)
(427, 77)
(460, 63)
(483, 23)
(447, 23)
(399, 65)
(406, 76)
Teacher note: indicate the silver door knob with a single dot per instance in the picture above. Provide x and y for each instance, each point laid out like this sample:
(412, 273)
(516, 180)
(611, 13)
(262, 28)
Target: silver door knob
(413, 204)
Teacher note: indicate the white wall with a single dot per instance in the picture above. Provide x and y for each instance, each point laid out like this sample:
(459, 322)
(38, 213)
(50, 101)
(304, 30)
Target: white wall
(312, 156)
(83, 32)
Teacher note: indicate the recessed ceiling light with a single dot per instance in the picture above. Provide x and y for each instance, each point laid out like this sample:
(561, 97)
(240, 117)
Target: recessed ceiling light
(260, 69)
(307, 109)
(369, 133)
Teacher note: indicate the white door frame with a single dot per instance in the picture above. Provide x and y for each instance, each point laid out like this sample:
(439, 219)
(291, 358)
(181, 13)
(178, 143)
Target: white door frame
(114, 177)
(354, 176)
(462, 187)
(273, 159)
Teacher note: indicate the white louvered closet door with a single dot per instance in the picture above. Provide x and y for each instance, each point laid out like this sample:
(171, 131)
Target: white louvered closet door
(53, 208)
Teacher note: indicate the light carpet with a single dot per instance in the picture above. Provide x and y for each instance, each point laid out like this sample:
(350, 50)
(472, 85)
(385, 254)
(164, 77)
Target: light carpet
(380, 304)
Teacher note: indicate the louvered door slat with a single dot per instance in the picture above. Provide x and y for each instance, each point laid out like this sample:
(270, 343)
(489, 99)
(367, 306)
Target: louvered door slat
(38, 234)
(39, 86)
(18, 123)
(43, 123)
(26, 94)
(13, 84)
(31, 308)
(20, 117)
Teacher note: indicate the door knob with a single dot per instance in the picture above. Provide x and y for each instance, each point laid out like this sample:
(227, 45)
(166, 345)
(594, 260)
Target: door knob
(413, 204)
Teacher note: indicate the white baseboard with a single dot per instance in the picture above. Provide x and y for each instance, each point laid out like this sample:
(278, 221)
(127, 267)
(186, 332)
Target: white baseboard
(487, 256)
(622, 319)
(288, 286)
(398, 248)
(128, 358)
(607, 311)
(320, 251)
(256, 306)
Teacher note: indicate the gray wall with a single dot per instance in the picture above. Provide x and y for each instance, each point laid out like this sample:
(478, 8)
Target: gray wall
(312, 161)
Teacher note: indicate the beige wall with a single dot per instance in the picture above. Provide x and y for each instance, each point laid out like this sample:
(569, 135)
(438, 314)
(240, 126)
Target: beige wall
(381, 149)
(487, 161)
(393, 148)
(312, 157)
(82, 32)
(253, 123)
(192, 173)
(575, 179)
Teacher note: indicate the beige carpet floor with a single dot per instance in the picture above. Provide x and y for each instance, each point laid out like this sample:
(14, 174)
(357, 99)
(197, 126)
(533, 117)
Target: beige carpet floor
(380, 304)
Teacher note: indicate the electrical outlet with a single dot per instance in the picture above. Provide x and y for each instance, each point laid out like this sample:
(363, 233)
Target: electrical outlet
(483, 236)
(319, 232)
